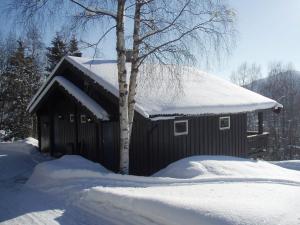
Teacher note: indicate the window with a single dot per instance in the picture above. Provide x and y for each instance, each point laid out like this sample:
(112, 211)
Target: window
(181, 127)
(224, 123)
(72, 118)
(82, 118)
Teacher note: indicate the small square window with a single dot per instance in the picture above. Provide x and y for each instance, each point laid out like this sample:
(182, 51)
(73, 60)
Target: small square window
(224, 123)
(181, 127)
(82, 118)
(72, 118)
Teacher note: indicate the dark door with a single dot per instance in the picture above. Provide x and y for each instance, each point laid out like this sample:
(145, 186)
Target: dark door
(110, 158)
(88, 140)
(45, 133)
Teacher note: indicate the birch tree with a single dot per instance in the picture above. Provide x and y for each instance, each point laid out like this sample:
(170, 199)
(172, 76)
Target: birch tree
(246, 75)
(160, 31)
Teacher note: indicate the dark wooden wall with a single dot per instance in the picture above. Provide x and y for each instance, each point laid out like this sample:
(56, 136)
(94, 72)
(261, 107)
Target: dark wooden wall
(154, 146)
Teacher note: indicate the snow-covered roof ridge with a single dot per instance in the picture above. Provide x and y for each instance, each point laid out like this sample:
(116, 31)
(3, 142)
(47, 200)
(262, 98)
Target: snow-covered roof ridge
(82, 97)
(201, 93)
(162, 92)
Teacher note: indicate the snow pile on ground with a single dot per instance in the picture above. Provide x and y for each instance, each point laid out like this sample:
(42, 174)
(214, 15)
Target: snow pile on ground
(219, 166)
(29, 206)
(289, 164)
(204, 190)
(66, 167)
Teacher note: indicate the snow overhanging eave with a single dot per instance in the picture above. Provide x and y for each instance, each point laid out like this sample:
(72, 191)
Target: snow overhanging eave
(213, 110)
(78, 94)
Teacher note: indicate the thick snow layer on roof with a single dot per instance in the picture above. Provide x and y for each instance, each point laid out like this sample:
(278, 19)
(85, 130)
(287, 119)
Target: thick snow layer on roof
(165, 90)
(83, 98)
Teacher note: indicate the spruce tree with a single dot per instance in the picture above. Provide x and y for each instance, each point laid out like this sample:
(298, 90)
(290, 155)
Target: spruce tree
(73, 47)
(20, 81)
(56, 52)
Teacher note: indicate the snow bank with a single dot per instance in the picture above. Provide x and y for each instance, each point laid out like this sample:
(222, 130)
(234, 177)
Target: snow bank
(32, 141)
(216, 166)
(207, 190)
(289, 164)
(67, 167)
(222, 203)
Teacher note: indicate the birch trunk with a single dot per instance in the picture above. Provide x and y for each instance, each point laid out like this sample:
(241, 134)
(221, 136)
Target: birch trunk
(134, 64)
(123, 90)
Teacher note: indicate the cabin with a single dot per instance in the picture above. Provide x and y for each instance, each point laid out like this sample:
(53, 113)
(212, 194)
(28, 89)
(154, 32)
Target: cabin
(179, 112)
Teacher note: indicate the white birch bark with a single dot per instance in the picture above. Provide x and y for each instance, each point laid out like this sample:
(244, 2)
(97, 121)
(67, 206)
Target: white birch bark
(123, 90)
(134, 65)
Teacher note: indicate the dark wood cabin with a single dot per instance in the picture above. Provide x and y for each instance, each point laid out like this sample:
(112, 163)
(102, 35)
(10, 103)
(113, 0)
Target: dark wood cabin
(78, 115)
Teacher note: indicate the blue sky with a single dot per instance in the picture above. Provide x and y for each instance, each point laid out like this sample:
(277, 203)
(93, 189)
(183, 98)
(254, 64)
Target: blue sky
(268, 30)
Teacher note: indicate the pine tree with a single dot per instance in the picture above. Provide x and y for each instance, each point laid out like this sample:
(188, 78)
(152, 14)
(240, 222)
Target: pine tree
(73, 47)
(56, 52)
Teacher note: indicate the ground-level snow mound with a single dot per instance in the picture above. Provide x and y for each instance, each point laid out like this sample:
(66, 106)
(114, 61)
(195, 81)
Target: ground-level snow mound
(289, 164)
(213, 166)
(66, 167)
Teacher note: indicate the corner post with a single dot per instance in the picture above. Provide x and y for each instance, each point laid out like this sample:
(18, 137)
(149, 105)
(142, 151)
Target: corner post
(260, 123)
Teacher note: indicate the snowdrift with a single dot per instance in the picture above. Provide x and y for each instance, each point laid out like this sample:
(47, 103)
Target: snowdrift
(220, 166)
(66, 167)
(204, 190)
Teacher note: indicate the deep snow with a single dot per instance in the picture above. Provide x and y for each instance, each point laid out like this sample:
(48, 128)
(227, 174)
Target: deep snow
(197, 190)
(197, 92)
(20, 205)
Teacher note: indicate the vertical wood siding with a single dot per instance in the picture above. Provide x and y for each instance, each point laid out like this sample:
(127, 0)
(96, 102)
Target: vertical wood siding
(154, 146)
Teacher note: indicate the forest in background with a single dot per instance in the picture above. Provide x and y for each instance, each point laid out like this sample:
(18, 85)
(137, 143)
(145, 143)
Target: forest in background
(282, 84)
(25, 63)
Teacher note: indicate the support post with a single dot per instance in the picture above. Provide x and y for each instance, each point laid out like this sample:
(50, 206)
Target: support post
(260, 123)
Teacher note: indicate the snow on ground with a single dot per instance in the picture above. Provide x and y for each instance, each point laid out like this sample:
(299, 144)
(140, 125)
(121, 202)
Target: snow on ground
(20, 205)
(197, 190)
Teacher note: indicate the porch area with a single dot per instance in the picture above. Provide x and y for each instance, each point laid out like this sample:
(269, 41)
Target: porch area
(257, 141)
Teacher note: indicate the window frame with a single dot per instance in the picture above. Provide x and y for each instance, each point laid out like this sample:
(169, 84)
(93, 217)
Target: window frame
(83, 118)
(229, 123)
(186, 132)
(71, 117)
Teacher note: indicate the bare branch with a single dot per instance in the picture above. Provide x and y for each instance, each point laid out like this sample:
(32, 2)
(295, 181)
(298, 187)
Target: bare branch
(97, 11)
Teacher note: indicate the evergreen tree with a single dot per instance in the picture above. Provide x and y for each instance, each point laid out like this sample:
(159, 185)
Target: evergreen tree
(73, 47)
(20, 80)
(56, 52)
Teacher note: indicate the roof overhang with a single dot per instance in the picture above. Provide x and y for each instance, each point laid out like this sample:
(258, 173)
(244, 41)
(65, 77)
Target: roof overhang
(74, 91)
(203, 110)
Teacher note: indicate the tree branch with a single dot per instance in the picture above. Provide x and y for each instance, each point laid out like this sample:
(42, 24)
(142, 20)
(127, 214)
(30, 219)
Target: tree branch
(96, 11)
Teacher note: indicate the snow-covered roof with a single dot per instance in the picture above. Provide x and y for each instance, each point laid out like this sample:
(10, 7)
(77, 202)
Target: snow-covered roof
(168, 90)
(83, 98)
